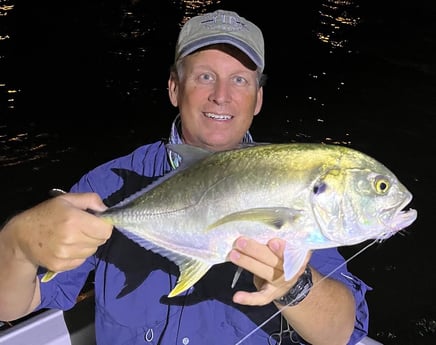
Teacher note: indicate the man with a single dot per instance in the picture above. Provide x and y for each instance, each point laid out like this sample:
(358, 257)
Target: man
(217, 85)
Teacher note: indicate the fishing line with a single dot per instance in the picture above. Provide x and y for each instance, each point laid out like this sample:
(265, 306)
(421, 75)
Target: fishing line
(325, 277)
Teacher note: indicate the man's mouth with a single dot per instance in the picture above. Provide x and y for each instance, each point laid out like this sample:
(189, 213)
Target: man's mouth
(218, 116)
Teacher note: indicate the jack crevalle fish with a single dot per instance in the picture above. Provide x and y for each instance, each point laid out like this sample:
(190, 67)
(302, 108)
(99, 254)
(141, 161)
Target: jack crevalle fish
(311, 195)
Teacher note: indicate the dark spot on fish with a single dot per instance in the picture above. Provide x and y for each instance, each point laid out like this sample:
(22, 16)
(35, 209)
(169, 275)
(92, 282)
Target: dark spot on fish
(319, 188)
(278, 223)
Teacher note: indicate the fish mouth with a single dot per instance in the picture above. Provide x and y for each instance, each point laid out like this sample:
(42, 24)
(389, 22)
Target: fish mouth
(219, 117)
(401, 219)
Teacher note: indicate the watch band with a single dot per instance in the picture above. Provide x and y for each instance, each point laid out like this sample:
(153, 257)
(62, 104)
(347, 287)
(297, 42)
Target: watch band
(299, 291)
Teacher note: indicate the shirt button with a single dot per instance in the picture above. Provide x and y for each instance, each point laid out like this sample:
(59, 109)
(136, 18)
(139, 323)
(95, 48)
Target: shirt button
(185, 341)
(148, 337)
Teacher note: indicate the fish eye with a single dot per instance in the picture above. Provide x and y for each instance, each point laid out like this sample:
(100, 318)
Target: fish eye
(381, 184)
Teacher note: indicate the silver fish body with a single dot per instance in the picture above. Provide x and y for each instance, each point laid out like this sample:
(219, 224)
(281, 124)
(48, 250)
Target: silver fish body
(311, 195)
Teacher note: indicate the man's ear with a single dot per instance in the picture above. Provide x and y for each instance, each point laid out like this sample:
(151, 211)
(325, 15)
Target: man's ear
(173, 90)
(259, 101)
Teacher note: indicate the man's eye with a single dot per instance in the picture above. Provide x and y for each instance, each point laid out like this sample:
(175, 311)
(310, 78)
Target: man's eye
(206, 77)
(240, 80)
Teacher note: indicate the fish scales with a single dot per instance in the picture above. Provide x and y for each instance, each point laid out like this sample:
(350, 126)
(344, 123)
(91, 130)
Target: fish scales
(190, 201)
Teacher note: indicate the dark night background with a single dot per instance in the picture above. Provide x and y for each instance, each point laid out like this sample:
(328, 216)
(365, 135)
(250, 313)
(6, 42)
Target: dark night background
(85, 81)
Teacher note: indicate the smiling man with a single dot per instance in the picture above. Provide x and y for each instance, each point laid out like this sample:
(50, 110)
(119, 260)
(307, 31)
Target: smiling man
(216, 83)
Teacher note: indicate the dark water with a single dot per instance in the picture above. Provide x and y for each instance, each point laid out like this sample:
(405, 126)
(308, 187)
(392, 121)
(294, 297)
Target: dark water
(85, 81)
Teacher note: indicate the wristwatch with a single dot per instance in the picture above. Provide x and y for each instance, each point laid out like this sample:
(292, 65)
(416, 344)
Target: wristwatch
(299, 291)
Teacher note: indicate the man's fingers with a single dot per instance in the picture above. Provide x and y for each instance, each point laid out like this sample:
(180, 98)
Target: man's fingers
(258, 251)
(85, 201)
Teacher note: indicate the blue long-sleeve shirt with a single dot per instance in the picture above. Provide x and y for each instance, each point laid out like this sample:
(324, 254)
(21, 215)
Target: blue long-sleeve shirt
(131, 283)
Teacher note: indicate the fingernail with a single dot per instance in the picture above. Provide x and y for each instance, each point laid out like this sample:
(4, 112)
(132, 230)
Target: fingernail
(274, 245)
(234, 255)
(241, 243)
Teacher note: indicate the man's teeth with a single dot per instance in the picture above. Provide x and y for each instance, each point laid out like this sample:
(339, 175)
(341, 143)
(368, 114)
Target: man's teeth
(218, 117)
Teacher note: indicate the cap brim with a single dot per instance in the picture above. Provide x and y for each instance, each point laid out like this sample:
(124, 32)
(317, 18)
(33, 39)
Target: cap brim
(206, 41)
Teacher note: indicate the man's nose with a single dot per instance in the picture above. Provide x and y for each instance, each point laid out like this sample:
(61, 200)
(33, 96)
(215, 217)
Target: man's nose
(221, 92)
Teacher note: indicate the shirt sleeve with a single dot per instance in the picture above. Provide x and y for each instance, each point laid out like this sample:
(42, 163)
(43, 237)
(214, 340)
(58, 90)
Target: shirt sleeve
(148, 160)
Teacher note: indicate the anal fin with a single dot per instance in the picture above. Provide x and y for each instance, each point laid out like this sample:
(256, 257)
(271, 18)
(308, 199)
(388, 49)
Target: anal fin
(191, 272)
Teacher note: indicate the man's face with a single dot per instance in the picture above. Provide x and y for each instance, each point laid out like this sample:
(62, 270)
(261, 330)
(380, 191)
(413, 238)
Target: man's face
(217, 98)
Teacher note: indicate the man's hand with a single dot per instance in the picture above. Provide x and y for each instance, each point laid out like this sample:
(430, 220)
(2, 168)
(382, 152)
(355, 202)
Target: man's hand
(265, 261)
(60, 234)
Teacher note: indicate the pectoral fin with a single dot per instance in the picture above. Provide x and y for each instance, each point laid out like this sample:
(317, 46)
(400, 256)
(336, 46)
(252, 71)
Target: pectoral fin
(272, 217)
(293, 260)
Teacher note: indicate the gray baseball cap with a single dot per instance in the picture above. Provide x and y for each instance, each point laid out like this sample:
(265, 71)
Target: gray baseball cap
(222, 27)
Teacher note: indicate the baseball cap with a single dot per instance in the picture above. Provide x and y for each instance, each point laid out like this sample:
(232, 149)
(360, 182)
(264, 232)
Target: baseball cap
(222, 27)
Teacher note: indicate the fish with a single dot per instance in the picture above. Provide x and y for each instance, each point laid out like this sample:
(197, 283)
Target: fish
(312, 195)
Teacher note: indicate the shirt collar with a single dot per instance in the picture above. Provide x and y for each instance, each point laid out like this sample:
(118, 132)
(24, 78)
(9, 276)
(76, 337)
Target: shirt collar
(176, 138)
